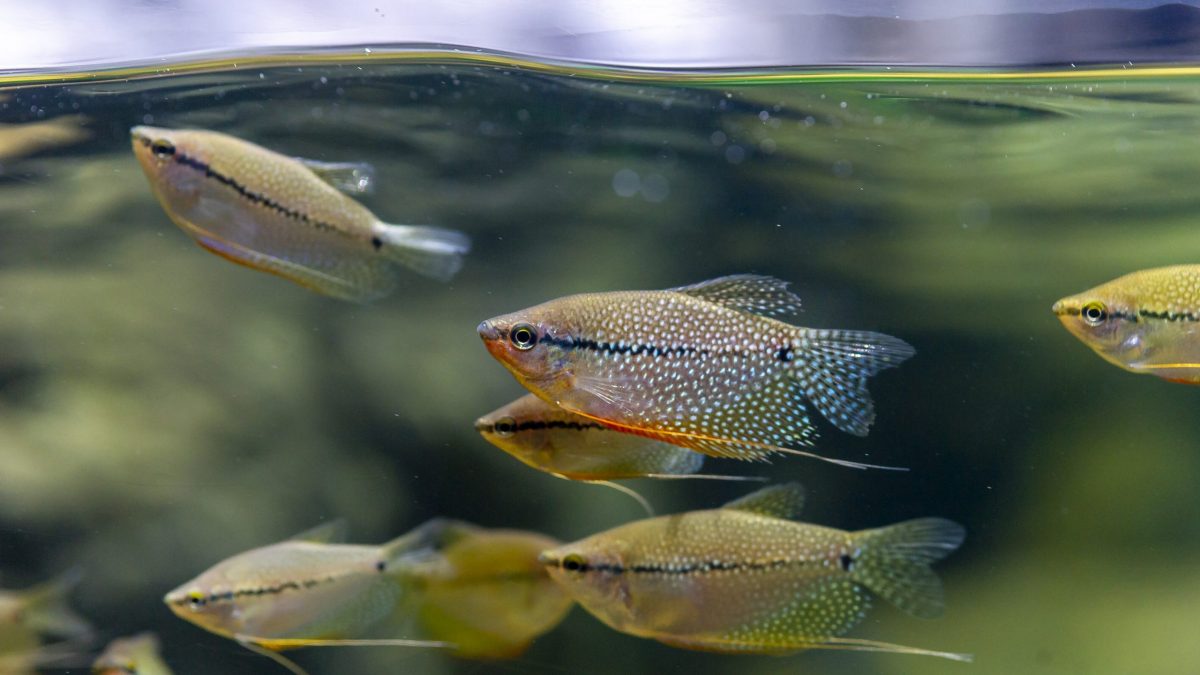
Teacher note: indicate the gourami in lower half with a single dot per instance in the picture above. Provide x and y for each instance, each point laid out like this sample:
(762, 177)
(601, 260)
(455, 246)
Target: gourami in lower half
(134, 655)
(287, 216)
(1144, 322)
(459, 585)
(706, 367)
(746, 578)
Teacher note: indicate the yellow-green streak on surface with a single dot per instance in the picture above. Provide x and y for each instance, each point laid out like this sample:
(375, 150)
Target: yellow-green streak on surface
(474, 57)
(1145, 322)
(746, 579)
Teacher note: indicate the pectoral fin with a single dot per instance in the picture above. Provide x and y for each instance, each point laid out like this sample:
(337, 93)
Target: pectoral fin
(353, 178)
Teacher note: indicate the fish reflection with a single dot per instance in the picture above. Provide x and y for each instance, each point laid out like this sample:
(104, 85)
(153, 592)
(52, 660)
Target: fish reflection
(287, 216)
(1144, 322)
(487, 593)
(706, 367)
(745, 578)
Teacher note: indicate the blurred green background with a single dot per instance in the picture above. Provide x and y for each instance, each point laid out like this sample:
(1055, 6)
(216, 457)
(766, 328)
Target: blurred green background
(162, 409)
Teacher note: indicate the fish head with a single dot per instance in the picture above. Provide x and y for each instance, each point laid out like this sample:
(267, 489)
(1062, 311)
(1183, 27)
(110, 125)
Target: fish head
(207, 601)
(1106, 320)
(592, 571)
(169, 158)
(532, 345)
(519, 430)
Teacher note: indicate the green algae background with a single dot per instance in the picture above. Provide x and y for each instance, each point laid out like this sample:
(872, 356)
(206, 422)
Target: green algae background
(162, 409)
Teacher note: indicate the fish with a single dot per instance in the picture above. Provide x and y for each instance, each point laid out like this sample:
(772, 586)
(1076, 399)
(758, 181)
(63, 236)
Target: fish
(1143, 322)
(709, 367)
(133, 655)
(44, 610)
(570, 446)
(476, 592)
(747, 578)
(31, 616)
(287, 216)
(308, 591)
(487, 593)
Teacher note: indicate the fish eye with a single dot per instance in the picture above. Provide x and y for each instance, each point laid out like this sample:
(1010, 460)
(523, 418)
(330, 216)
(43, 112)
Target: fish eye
(1094, 313)
(196, 599)
(573, 563)
(161, 146)
(523, 336)
(505, 426)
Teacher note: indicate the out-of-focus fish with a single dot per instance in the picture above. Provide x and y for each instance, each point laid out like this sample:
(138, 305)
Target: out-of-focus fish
(486, 593)
(21, 140)
(135, 655)
(746, 579)
(705, 367)
(1144, 322)
(29, 616)
(286, 216)
(304, 592)
(43, 610)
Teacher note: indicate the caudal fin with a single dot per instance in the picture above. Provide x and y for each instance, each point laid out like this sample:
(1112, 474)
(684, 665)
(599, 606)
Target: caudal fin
(894, 562)
(432, 251)
(835, 367)
(46, 611)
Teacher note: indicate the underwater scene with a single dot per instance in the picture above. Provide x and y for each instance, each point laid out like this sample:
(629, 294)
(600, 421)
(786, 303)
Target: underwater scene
(446, 362)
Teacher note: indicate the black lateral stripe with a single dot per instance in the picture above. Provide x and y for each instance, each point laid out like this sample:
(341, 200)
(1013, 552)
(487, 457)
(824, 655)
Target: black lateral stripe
(618, 348)
(694, 568)
(534, 425)
(1168, 316)
(264, 590)
(254, 197)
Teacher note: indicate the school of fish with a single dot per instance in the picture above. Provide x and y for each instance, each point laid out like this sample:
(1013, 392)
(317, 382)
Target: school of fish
(621, 385)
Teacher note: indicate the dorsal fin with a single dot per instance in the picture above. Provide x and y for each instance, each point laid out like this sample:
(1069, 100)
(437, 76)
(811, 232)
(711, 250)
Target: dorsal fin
(353, 178)
(777, 501)
(427, 540)
(754, 293)
(330, 532)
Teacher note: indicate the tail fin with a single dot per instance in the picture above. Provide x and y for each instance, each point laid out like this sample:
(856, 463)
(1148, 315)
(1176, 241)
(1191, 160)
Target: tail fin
(836, 365)
(46, 611)
(894, 562)
(431, 251)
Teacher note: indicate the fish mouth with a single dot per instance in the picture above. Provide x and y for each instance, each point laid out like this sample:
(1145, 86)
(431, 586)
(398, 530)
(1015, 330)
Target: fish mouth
(488, 331)
(1062, 308)
(140, 134)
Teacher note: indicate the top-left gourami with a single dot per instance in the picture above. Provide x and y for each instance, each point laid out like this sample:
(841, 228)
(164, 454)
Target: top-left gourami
(287, 216)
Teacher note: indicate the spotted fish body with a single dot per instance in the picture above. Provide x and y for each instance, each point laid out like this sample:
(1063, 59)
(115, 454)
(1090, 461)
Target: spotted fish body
(562, 443)
(706, 367)
(1144, 322)
(488, 595)
(305, 588)
(746, 579)
(135, 655)
(285, 216)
